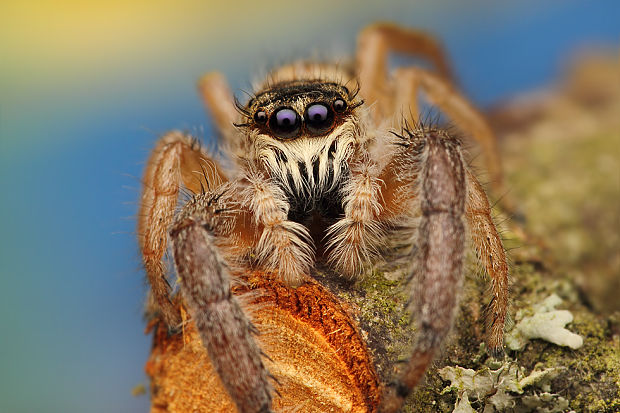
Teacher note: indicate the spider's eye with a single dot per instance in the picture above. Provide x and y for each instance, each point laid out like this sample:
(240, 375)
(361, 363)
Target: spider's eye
(319, 117)
(340, 105)
(285, 123)
(260, 116)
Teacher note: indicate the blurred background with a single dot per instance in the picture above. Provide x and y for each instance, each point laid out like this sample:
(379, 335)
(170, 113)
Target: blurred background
(86, 87)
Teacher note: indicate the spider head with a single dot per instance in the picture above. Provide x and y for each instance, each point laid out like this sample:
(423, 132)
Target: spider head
(298, 109)
(304, 132)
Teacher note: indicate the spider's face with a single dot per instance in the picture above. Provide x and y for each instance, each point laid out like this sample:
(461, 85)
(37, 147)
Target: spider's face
(304, 133)
(293, 110)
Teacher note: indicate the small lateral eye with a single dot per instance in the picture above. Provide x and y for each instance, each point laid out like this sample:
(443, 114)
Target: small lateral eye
(340, 105)
(319, 117)
(285, 123)
(260, 116)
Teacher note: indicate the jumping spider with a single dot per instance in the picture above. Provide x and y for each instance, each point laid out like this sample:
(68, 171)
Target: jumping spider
(317, 172)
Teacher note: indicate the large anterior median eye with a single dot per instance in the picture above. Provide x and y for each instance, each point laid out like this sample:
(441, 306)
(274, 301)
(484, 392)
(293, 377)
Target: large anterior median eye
(319, 117)
(285, 123)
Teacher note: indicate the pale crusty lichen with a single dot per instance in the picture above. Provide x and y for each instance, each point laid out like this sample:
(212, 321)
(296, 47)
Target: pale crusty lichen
(545, 323)
(500, 389)
(582, 380)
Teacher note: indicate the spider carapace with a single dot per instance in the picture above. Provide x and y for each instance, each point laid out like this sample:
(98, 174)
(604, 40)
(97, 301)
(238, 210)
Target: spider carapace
(325, 163)
(311, 170)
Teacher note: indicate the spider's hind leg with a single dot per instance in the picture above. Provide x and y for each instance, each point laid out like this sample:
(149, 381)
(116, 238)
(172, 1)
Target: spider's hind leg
(200, 238)
(374, 44)
(218, 99)
(464, 114)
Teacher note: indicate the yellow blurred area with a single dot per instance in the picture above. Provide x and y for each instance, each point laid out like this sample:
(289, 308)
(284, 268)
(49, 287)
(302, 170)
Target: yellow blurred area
(90, 32)
(56, 36)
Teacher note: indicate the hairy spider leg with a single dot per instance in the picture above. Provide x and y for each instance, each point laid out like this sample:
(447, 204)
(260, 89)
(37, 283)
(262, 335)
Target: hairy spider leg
(486, 239)
(491, 253)
(219, 102)
(196, 236)
(434, 171)
(177, 159)
(443, 95)
(374, 44)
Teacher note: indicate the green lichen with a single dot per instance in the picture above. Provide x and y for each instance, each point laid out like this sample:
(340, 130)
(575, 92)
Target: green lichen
(378, 302)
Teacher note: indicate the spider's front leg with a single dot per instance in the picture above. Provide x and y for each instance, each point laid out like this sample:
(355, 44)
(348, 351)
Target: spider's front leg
(201, 242)
(441, 193)
(428, 170)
